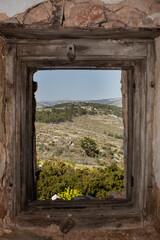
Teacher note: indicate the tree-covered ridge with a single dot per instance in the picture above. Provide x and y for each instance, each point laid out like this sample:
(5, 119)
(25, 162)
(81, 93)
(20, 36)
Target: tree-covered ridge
(67, 111)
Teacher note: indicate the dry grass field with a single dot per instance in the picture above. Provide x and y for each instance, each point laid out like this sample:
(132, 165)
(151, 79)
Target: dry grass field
(62, 140)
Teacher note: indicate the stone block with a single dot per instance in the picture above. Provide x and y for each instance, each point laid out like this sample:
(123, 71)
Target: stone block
(128, 16)
(39, 14)
(3, 17)
(83, 15)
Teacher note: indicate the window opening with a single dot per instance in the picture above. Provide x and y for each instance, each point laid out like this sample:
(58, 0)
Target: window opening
(80, 140)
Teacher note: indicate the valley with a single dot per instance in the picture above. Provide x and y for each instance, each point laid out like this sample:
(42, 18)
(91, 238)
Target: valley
(79, 150)
(62, 140)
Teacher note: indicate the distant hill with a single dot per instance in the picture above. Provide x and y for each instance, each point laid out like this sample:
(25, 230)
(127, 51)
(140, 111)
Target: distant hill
(67, 111)
(52, 103)
(110, 101)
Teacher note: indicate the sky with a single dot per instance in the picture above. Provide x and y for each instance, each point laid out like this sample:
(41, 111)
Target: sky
(55, 85)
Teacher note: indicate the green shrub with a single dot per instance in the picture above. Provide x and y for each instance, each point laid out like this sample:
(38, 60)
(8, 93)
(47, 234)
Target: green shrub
(115, 135)
(110, 134)
(102, 163)
(55, 176)
(59, 151)
(71, 163)
(90, 146)
(104, 147)
(41, 147)
(118, 136)
(52, 144)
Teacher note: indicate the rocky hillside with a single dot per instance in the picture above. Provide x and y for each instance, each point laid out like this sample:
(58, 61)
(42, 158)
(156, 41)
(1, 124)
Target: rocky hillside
(60, 130)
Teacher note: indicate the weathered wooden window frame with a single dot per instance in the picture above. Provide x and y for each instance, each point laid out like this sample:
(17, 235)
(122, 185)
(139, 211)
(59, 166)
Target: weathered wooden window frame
(135, 57)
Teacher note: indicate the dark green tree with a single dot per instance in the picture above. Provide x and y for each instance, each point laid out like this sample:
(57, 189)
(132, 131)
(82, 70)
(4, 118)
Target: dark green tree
(90, 146)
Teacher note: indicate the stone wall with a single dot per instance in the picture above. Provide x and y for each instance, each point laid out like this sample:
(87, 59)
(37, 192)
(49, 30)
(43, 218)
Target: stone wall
(86, 14)
(92, 15)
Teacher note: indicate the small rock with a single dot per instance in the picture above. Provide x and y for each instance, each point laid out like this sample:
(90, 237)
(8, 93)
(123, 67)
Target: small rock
(11, 21)
(84, 197)
(147, 21)
(109, 197)
(55, 196)
(3, 17)
(6, 230)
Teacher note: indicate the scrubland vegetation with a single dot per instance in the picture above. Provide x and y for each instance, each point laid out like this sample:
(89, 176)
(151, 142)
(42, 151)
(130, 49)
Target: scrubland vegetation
(79, 150)
(67, 111)
(55, 177)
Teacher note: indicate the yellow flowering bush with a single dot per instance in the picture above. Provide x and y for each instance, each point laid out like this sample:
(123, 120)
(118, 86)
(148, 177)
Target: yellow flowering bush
(69, 193)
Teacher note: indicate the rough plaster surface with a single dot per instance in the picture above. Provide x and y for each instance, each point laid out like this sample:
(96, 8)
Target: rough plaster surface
(53, 233)
(112, 1)
(12, 7)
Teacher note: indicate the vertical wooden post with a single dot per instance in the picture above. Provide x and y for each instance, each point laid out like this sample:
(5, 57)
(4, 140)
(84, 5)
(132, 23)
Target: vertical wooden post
(10, 122)
(149, 186)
